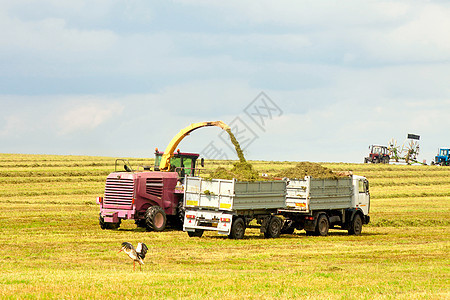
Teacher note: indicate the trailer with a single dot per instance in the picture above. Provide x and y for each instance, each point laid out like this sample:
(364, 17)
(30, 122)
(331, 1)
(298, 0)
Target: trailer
(228, 206)
(316, 205)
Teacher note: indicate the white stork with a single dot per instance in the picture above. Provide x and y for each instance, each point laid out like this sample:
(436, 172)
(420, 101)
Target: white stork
(137, 255)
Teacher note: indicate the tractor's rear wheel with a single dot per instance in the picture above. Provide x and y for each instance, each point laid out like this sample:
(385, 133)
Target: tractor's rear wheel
(180, 215)
(155, 218)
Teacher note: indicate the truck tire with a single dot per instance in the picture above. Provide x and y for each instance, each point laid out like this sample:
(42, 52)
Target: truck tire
(274, 228)
(322, 226)
(196, 233)
(356, 225)
(237, 229)
(155, 218)
(107, 225)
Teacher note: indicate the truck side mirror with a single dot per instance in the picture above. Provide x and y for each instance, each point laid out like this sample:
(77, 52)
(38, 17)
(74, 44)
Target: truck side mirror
(202, 162)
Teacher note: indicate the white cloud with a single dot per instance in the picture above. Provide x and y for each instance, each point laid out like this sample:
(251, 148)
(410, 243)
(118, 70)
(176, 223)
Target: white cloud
(13, 126)
(305, 13)
(87, 116)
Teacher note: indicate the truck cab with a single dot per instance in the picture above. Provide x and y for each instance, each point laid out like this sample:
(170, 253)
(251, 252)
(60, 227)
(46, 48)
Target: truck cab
(151, 198)
(361, 195)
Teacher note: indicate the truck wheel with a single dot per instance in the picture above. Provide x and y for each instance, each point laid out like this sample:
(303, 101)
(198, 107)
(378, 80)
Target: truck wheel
(356, 226)
(155, 218)
(323, 225)
(274, 228)
(107, 225)
(196, 233)
(237, 229)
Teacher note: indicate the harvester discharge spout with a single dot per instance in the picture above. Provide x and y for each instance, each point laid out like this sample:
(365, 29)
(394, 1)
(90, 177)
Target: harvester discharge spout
(170, 149)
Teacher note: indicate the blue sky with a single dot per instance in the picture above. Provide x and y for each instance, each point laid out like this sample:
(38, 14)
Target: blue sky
(119, 78)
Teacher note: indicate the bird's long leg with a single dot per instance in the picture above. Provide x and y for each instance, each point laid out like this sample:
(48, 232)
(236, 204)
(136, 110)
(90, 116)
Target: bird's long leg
(134, 265)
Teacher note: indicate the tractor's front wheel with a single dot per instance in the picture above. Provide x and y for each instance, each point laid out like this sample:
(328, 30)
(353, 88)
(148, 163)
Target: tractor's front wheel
(155, 218)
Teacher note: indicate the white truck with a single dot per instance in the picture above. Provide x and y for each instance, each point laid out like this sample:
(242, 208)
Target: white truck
(316, 205)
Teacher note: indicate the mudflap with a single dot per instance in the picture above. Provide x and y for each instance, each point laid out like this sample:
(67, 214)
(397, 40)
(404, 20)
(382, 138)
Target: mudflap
(310, 225)
(264, 221)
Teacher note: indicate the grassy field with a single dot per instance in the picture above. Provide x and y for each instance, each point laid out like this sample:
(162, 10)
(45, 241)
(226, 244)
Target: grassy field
(52, 246)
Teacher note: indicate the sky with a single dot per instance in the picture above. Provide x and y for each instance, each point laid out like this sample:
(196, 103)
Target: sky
(296, 80)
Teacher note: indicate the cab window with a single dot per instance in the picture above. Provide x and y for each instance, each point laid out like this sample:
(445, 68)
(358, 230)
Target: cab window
(361, 186)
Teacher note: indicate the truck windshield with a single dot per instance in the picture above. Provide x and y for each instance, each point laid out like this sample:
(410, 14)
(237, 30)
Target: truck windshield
(363, 186)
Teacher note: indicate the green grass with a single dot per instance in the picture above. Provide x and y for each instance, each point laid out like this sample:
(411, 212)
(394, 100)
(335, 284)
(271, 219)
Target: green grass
(52, 246)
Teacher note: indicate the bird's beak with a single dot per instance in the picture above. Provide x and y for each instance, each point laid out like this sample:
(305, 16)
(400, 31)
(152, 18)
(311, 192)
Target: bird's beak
(120, 250)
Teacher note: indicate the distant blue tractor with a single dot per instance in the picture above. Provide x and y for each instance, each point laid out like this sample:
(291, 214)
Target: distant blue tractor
(443, 158)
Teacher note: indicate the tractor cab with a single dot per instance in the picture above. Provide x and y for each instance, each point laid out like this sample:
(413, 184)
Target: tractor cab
(379, 150)
(443, 158)
(181, 162)
(378, 154)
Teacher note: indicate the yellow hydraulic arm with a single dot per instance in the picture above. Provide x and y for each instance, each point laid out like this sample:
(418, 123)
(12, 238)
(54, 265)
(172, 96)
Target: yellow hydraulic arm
(168, 153)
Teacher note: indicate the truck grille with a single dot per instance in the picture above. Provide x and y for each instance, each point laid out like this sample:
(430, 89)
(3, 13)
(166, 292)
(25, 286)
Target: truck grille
(119, 192)
(154, 187)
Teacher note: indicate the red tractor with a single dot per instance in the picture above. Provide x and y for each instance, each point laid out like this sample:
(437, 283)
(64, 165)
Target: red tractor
(378, 154)
(151, 198)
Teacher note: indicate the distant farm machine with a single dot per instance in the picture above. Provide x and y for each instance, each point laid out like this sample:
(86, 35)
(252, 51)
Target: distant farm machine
(406, 153)
(443, 158)
(378, 154)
